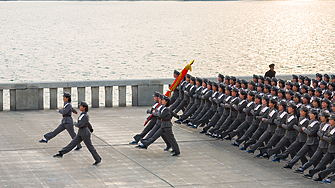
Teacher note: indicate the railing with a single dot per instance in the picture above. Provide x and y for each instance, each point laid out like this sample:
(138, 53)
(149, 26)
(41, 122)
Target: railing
(30, 96)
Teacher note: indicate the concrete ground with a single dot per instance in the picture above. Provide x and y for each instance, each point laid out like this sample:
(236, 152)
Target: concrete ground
(204, 162)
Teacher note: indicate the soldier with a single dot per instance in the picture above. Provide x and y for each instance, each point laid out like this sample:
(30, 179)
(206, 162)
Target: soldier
(180, 87)
(326, 77)
(152, 122)
(245, 102)
(290, 134)
(186, 89)
(220, 78)
(306, 100)
(190, 93)
(329, 156)
(66, 123)
(252, 86)
(332, 78)
(271, 73)
(219, 109)
(307, 81)
(323, 145)
(294, 78)
(274, 81)
(281, 94)
(303, 89)
(325, 104)
(295, 87)
(84, 134)
(262, 125)
(255, 78)
(279, 132)
(211, 111)
(318, 77)
(271, 128)
(301, 79)
(226, 110)
(312, 141)
(166, 127)
(175, 93)
(254, 124)
(196, 101)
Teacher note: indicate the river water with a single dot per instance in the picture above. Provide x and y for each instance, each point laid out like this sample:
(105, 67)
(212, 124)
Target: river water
(59, 41)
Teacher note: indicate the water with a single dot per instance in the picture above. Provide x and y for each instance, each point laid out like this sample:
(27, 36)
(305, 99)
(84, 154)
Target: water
(55, 41)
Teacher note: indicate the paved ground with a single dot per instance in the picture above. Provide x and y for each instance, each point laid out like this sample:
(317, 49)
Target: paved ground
(203, 162)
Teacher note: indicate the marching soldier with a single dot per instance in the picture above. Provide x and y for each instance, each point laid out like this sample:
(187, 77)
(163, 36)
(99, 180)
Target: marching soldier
(66, 123)
(175, 93)
(84, 134)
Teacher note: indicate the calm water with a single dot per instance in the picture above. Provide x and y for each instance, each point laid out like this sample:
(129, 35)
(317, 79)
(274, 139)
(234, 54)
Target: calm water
(52, 41)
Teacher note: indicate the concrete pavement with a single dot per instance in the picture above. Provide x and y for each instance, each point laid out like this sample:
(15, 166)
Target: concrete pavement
(204, 162)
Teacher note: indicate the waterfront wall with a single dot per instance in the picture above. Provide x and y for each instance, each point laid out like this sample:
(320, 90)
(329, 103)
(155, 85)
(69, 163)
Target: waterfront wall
(30, 96)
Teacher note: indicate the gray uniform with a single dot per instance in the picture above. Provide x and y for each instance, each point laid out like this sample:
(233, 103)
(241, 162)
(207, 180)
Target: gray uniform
(209, 114)
(218, 113)
(66, 123)
(180, 96)
(232, 115)
(84, 134)
(190, 94)
(166, 129)
(201, 106)
(322, 149)
(196, 104)
(186, 99)
(206, 107)
(225, 113)
(311, 144)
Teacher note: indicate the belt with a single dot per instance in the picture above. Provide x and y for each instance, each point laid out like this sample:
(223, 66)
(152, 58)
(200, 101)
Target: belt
(249, 115)
(330, 143)
(312, 136)
(66, 115)
(290, 130)
(233, 110)
(166, 120)
(158, 118)
(85, 127)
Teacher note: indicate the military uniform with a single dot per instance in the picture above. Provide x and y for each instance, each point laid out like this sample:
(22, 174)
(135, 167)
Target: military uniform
(201, 106)
(186, 99)
(195, 106)
(206, 107)
(84, 134)
(180, 95)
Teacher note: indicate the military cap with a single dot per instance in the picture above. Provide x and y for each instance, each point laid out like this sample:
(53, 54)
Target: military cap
(323, 82)
(238, 81)
(326, 101)
(296, 84)
(84, 104)
(289, 83)
(233, 78)
(166, 98)
(260, 85)
(317, 99)
(328, 92)
(205, 80)
(188, 76)
(221, 76)
(215, 84)
(266, 98)
(311, 89)
(243, 92)
(176, 72)
(252, 93)
(314, 111)
(282, 90)
(244, 82)
(274, 79)
(156, 94)
(268, 79)
(307, 78)
(318, 90)
(308, 97)
(192, 78)
(332, 84)
(303, 86)
(326, 76)
(294, 76)
(274, 88)
(261, 77)
(227, 77)
(67, 95)
(252, 83)
(255, 76)
(325, 114)
(228, 88)
(222, 86)
(332, 76)
(235, 89)
(301, 77)
(318, 75)
(283, 103)
(290, 92)
(209, 82)
(304, 108)
(258, 96)
(273, 100)
(272, 65)
(332, 116)
(281, 81)
(267, 86)
(292, 105)
(315, 81)
(297, 94)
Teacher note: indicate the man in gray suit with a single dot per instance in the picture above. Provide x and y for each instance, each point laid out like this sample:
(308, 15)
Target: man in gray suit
(66, 123)
(84, 134)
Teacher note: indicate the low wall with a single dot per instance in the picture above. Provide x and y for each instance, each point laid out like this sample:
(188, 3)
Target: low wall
(29, 96)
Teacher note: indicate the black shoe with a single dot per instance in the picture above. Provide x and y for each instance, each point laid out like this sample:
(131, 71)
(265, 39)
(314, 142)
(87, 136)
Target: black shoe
(227, 138)
(96, 163)
(266, 155)
(133, 142)
(309, 176)
(43, 141)
(208, 134)
(202, 132)
(299, 170)
(167, 148)
(287, 166)
(178, 121)
(141, 147)
(235, 144)
(58, 155)
(219, 137)
(201, 125)
(175, 154)
(78, 148)
(172, 151)
(259, 155)
(317, 179)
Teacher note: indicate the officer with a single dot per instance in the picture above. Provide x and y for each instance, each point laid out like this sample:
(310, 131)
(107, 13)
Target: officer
(329, 156)
(271, 73)
(219, 109)
(66, 123)
(271, 128)
(175, 93)
(290, 134)
(84, 134)
(323, 145)
(152, 122)
(166, 127)
(312, 141)
(279, 132)
(197, 101)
